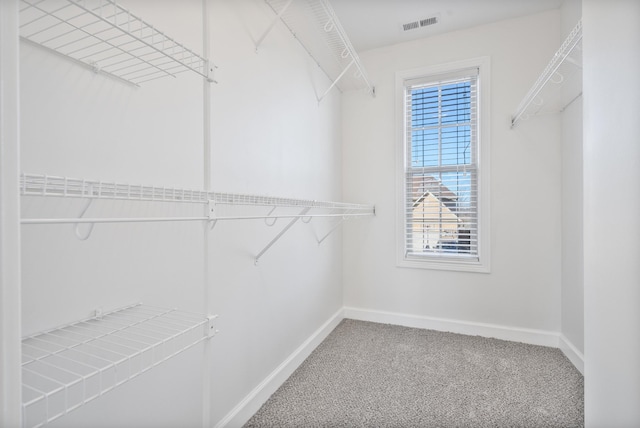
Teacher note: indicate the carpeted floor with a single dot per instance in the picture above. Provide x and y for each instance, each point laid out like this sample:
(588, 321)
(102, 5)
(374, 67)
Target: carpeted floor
(377, 375)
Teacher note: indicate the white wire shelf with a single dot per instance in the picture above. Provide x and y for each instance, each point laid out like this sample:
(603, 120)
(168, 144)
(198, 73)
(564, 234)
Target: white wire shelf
(66, 367)
(47, 185)
(216, 204)
(108, 39)
(559, 84)
(55, 186)
(317, 28)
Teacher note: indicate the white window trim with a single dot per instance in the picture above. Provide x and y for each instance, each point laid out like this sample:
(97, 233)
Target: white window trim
(483, 264)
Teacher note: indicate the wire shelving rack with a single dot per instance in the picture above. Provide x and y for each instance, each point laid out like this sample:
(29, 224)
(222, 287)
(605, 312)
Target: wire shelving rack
(54, 186)
(66, 367)
(215, 203)
(315, 25)
(108, 39)
(560, 83)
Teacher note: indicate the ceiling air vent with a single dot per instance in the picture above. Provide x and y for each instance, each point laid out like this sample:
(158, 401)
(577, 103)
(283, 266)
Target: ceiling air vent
(409, 26)
(429, 21)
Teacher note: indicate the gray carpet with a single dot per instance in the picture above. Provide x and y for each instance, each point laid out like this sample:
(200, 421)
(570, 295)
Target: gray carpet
(376, 375)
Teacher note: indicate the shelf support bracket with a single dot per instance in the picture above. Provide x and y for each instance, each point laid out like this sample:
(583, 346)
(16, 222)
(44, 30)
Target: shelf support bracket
(273, 24)
(211, 329)
(85, 236)
(211, 214)
(335, 82)
(282, 232)
(335, 226)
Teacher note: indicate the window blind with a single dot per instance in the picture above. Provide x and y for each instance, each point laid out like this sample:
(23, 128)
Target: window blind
(441, 166)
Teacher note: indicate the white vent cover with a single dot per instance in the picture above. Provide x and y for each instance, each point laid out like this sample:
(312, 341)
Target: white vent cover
(415, 25)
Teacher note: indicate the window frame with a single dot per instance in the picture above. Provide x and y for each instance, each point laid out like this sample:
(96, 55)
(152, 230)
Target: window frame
(442, 261)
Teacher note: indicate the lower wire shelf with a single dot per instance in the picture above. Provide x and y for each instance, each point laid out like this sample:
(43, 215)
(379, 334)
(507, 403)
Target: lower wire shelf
(64, 368)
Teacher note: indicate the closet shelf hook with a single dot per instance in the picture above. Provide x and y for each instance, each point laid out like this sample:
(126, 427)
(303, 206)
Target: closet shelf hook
(79, 235)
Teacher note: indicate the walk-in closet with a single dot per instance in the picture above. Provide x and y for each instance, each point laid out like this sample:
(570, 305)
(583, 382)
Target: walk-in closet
(195, 194)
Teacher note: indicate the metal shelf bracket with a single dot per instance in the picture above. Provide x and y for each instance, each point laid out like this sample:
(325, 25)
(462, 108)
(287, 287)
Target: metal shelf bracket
(335, 82)
(211, 326)
(281, 233)
(316, 27)
(273, 24)
(79, 235)
(335, 226)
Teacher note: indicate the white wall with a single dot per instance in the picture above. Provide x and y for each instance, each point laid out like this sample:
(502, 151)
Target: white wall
(269, 136)
(79, 124)
(572, 326)
(611, 159)
(10, 332)
(523, 288)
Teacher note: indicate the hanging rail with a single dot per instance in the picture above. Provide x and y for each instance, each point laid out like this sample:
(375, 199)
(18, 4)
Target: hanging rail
(551, 75)
(108, 39)
(315, 25)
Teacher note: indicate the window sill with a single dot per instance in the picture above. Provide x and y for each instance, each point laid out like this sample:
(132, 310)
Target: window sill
(440, 264)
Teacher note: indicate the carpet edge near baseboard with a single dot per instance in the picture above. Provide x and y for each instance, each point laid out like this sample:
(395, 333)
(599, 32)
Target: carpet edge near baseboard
(514, 334)
(249, 405)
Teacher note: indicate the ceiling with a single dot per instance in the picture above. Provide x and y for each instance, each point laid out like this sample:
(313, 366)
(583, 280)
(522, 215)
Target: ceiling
(371, 24)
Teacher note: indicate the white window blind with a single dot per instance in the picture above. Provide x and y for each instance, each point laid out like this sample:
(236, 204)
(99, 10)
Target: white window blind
(441, 168)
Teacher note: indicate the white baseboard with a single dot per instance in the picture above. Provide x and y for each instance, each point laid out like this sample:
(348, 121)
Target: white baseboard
(244, 410)
(572, 353)
(524, 335)
(514, 334)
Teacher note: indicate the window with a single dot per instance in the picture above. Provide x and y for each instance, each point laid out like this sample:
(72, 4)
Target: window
(444, 173)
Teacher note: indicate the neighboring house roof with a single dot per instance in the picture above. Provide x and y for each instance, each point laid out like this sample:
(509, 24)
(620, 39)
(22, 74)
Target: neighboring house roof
(425, 185)
(433, 223)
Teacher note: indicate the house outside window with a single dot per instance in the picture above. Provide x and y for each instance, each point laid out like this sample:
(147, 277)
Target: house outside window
(443, 173)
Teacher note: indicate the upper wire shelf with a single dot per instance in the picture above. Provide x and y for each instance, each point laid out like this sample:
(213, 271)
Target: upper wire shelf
(295, 209)
(46, 185)
(559, 84)
(317, 28)
(107, 38)
(66, 367)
